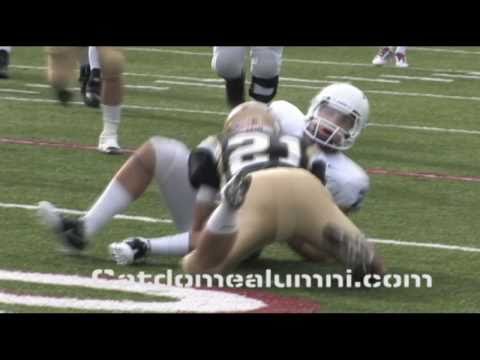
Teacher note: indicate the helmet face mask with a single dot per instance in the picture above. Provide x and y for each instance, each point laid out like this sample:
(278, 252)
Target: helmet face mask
(337, 116)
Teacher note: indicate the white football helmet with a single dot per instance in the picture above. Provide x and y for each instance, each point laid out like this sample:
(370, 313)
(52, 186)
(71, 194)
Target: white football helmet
(343, 102)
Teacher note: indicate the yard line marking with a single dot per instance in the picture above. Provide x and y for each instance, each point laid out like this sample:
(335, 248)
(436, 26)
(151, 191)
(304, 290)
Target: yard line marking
(355, 78)
(136, 107)
(223, 113)
(185, 83)
(425, 245)
(148, 219)
(78, 212)
(437, 96)
(451, 51)
(19, 91)
(301, 61)
(426, 128)
(420, 78)
(140, 87)
(183, 299)
(458, 76)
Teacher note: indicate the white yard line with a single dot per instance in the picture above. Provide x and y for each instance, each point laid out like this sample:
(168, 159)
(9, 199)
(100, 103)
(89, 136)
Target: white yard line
(154, 220)
(437, 96)
(16, 91)
(419, 78)
(448, 51)
(458, 76)
(356, 78)
(223, 113)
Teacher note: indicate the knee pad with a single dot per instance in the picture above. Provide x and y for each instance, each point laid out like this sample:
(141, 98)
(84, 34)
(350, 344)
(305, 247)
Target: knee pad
(263, 90)
(266, 62)
(112, 62)
(166, 151)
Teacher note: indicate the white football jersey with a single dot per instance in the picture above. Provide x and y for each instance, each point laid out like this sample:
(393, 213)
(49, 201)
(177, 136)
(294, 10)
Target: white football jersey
(347, 181)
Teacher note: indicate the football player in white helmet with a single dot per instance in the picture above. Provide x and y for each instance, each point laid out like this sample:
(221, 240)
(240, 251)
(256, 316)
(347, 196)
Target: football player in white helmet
(166, 162)
(334, 121)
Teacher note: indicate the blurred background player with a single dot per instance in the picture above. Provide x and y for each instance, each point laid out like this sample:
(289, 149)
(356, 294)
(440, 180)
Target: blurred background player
(4, 61)
(229, 61)
(388, 53)
(90, 79)
(62, 62)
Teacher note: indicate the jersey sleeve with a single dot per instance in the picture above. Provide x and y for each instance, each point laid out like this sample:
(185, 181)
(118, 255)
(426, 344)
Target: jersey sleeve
(203, 164)
(316, 162)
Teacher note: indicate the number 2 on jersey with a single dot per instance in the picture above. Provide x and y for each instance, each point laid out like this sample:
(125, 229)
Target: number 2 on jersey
(253, 149)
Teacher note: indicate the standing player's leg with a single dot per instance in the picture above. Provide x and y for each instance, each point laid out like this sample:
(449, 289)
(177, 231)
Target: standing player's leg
(94, 81)
(383, 56)
(61, 63)
(228, 63)
(266, 65)
(112, 63)
(401, 57)
(4, 61)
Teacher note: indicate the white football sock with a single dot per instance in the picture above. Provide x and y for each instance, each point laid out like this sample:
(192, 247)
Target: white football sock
(111, 119)
(113, 200)
(223, 220)
(177, 245)
(93, 57)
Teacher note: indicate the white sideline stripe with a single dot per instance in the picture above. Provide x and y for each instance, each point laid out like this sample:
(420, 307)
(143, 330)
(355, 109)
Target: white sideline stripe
(421, 78)
(305, 61)
(427, 128)
(169, 51)
(220, 113)
(313, 81)
(437, 96)
(185, 83)
(78, 212)
(139, 107)
(425, 245)
(147, 87)
(451, 51)
(320, 62)
(213, 80)
(147, 219)
(459, 76)
(184, 299)
(19, 91)
(141, 87)
(204, 85)
(355, 78)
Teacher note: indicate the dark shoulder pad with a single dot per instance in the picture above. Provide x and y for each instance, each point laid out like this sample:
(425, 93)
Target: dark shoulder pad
(202, 169)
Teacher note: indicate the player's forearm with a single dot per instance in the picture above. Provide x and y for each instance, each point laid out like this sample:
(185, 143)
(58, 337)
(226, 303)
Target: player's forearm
(204, 206)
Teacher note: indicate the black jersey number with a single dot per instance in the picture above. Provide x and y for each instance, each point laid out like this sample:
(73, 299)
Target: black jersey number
(255, 150)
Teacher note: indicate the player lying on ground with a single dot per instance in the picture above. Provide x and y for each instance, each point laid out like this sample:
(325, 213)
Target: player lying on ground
(253, 157)
(166, 162)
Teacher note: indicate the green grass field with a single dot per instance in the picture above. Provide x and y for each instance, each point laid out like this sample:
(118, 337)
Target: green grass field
(418, 126)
